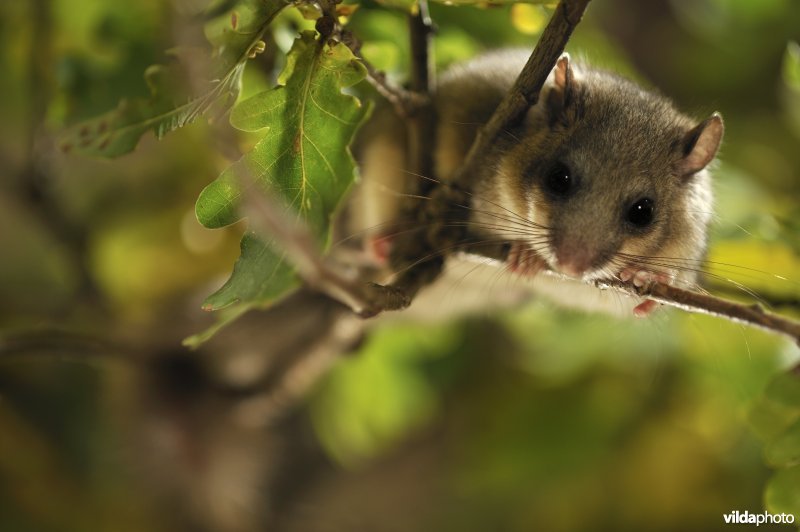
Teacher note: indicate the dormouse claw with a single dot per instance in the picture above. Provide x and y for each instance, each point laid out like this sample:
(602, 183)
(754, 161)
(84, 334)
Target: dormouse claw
(642, 278)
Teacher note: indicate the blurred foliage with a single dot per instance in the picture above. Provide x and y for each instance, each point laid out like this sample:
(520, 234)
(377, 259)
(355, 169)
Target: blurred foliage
(174, 102)
(529, 418)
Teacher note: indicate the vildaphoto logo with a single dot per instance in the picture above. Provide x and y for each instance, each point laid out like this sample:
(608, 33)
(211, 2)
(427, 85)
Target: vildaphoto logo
(746, 518)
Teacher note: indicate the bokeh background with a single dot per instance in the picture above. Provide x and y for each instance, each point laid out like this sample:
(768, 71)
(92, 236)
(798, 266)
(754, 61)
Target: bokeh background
(512, 419)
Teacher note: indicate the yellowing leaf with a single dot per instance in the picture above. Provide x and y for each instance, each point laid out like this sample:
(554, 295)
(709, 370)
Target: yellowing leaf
(756, 265)
(528, 19)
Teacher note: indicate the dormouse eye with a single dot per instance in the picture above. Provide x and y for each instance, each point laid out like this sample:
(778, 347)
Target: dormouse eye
(559, 181)
(640, 213)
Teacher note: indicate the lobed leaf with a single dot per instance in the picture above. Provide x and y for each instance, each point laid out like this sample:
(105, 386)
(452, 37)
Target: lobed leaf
(260, 274)
(302, 160)
(172, 104)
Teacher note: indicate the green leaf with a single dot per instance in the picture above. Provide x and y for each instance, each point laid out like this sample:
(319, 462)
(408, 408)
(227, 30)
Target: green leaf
(224, 317)
(783, 492)
(301, 157)
(785, 450)
(302, 160)
(791, 66)
(172, 104)
(785, 389)
(769, 419)
(778, 408)
(260, 275)
(372, 399)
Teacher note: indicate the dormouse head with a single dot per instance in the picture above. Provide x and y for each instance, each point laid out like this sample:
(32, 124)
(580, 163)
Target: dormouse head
(612, 172)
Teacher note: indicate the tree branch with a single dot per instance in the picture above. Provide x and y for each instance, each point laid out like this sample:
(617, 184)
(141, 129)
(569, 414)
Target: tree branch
(62, 343)
(753, 314)
(405, 103)
(525, 91)
(420, 32)
(421, 126)
(268, 218)
(749, 314)
(370, 299)
(523, 94)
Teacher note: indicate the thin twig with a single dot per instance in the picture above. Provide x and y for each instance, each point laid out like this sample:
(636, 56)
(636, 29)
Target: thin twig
(62, 343)
(695, 302)
(271, 399)
(268, 218)
(420, 33)
(523, 94)
(369, 299)
(753, 314)
(405, 103)
(525, 91)
(421, 126)
(421, 129)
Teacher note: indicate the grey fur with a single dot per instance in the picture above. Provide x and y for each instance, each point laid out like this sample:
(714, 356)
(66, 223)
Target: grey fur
(620, 141)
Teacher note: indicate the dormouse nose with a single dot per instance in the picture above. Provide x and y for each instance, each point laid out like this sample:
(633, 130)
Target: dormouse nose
(574, 260)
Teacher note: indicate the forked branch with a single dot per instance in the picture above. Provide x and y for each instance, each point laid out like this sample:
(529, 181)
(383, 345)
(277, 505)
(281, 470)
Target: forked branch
(524, 93)
(269, 218)
(370, 299)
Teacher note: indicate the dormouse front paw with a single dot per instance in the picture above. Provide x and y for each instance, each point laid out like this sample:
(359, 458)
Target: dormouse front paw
(642, 278)
(378, 248)
(524, 261)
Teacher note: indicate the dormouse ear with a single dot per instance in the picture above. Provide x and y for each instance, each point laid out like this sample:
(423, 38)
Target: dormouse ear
(700, 145)
(563, 92)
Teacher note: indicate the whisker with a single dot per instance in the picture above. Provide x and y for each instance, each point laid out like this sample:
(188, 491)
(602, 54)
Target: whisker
(735, 267)
(514, 219)
(646, 262)
(514, 214)
(448, 249)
